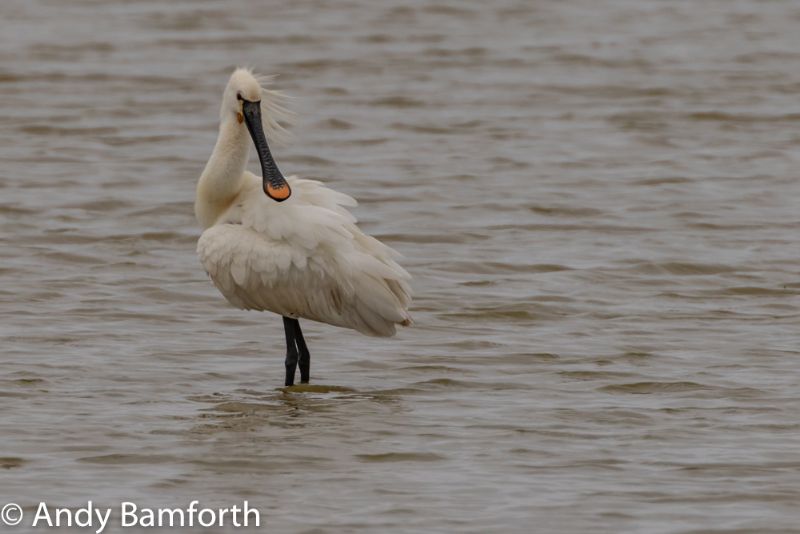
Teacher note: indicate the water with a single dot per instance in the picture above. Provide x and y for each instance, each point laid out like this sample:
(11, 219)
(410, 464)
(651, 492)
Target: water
(598, 204)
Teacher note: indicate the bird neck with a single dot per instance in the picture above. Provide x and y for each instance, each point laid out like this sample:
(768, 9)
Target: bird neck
(222, 178)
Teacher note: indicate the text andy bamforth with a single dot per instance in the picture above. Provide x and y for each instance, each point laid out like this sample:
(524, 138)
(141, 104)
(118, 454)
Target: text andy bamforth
(132, 515)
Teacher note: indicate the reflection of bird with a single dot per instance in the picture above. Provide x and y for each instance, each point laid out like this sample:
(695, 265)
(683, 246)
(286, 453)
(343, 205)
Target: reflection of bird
(288, 245)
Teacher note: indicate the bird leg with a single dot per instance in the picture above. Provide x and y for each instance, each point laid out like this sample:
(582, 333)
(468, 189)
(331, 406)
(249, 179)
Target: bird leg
(291, 349)
(305, 356)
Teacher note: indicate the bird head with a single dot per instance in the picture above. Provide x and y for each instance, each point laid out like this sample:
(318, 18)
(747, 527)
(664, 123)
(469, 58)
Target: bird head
(242, 86)
(261, 111)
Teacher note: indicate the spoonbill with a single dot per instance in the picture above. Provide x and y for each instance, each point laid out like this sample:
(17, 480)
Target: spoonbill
(289, 245)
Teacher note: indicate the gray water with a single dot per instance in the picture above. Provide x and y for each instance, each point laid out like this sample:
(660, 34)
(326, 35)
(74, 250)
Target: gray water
(598, 202)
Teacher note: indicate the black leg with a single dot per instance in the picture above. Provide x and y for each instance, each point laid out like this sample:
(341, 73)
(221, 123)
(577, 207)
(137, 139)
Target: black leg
(305, 356)
(291, 349)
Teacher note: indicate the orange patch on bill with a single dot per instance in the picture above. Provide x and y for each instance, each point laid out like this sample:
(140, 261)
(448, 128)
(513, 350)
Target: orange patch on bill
(240, 118)
(278, 193)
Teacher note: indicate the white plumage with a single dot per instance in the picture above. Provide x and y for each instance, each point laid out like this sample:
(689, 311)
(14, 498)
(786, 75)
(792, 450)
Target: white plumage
(303, 257)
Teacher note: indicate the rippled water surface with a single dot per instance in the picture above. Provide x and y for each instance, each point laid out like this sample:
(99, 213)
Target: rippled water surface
(598, 202)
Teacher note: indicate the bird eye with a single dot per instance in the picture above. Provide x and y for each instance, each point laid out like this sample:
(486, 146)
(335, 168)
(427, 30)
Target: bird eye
(239, 96)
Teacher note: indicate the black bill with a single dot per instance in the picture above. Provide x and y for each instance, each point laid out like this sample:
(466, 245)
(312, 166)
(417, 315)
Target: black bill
(274, 184)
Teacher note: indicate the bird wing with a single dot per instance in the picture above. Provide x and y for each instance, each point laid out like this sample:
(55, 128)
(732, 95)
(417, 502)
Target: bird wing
(306, 257)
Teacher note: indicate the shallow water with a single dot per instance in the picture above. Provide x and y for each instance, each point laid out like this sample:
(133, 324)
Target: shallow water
(598, 205)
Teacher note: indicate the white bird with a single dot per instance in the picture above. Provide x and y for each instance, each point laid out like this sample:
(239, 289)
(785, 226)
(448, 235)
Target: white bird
(289, 245)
